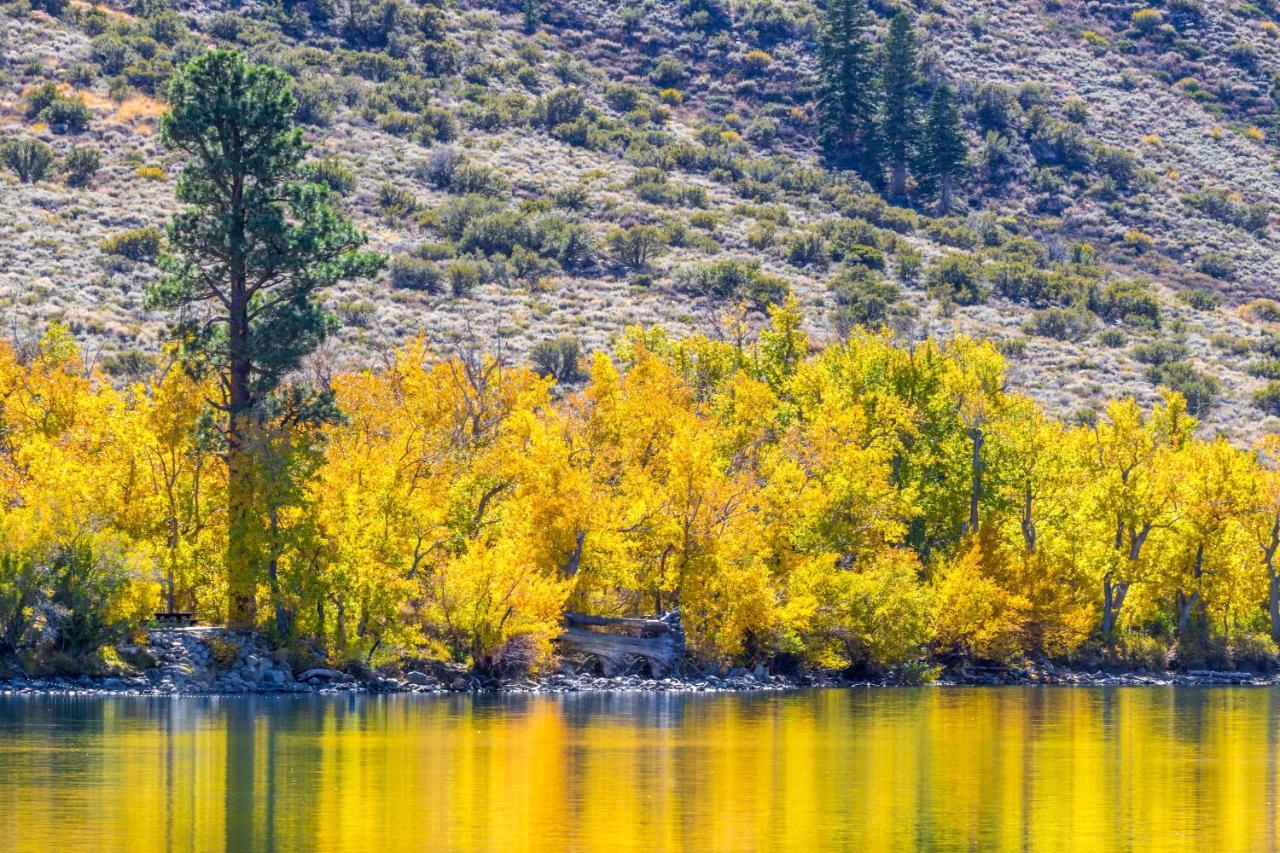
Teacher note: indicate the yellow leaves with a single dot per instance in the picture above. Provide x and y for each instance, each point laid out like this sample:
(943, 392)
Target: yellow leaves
(975, 614)
(784, 501)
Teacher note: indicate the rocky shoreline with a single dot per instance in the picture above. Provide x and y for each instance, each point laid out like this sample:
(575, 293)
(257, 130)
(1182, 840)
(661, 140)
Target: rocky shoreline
(217, 662)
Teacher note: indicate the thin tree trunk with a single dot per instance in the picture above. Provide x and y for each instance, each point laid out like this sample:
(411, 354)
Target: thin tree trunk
(1187, 603)
(975, 492)
(284, 616)
(1274, 607)
(1028, 522)
(1113, 600)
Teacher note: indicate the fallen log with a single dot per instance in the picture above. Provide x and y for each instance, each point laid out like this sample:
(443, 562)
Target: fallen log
(642, 626)
(618, 643)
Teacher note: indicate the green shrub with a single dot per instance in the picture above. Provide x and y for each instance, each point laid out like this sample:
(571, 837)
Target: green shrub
(1129, 301)
(806, 248)
(574, 197)
(463, 277)
(85, 593)
(558, 359)
(1231, 344)
(732, 279)
(1265, 310)
(1268, 398)
(29, 159)
(1199, 298)
(633, 246)
(622, 97)
(953, 232)
(412, 273)
(1264, 368)
(333, 173)
(80, 165)
(473, 179)
(1227, 206)
(67, 115)
(317, 103)
(1062, 324)
(396, 202)
(570, 244)
(138, 244)
(1112, 338)
(1200, 390)
(1019, 281)
(958, 277)
(495, 233)
(1160, 352)
(668, 72)
(865, 298)
(36, 99)
(995, 107)
(562, 106)
(1216, 265)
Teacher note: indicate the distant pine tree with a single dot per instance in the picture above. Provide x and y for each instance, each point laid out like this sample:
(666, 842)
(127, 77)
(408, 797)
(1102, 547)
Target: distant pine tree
(943, 153)
(900, 114)
(848, 89)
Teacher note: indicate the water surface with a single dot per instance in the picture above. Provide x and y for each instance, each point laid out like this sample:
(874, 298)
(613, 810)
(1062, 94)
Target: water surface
(940, 769)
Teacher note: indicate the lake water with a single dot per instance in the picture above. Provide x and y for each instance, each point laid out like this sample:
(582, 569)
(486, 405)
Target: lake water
(939, 768)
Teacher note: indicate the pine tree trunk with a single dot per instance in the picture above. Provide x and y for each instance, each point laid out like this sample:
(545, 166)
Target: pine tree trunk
(899, 181)
(242, 581)
(944, 199)
(242, 605)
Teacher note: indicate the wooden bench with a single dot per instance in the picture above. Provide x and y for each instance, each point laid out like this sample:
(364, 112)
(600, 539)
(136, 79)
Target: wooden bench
(619, 643)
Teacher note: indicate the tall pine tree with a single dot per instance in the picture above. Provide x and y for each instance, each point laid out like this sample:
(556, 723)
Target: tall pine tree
(900, 115)
(254, 243)
(943, 153)
(848, 90)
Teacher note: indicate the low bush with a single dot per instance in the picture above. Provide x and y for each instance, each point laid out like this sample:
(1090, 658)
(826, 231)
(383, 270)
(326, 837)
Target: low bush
(1062, 324)
(733, 279)
(411, 273)
(1200, 390)
(137, 244)
(558, 359)
(80, 165)
(29, 159)
(958, 277)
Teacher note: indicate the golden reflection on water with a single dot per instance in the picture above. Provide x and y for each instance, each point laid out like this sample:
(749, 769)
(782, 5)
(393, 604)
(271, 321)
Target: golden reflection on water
(939, 769)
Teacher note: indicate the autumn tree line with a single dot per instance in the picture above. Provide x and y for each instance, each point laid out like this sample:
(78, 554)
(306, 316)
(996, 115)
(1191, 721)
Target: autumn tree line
(868, 504)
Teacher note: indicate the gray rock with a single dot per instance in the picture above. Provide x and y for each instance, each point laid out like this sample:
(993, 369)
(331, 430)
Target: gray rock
(322, 674)
(420, 678)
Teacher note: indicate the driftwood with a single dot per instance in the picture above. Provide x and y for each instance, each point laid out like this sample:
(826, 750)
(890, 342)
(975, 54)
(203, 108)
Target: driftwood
(619, 642)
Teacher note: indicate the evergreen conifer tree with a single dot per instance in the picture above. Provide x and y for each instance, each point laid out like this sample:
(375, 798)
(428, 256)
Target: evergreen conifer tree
(900, 115)
(943, 153)
(254, 243)
(848, 89)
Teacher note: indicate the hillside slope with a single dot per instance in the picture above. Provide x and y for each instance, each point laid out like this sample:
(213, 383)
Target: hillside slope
(1116, 234)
